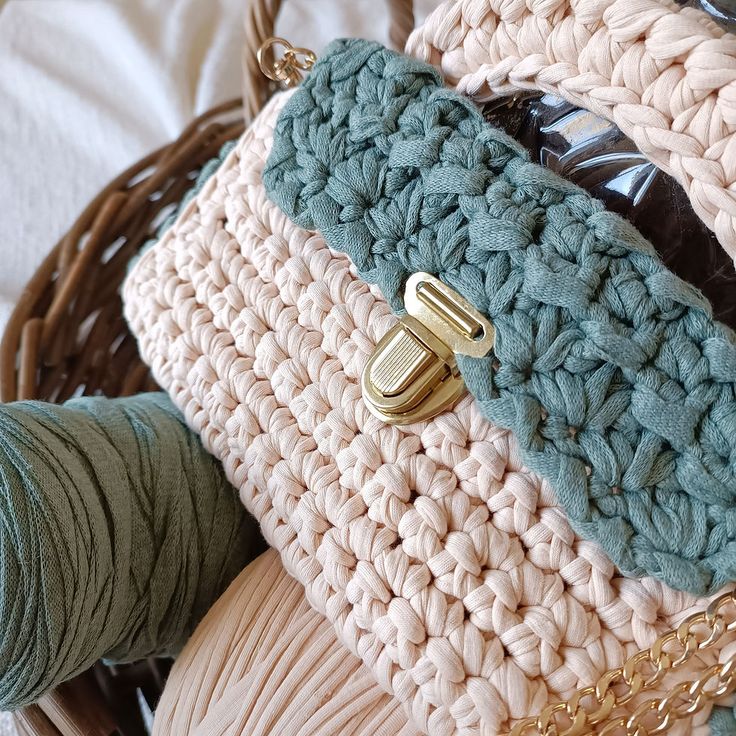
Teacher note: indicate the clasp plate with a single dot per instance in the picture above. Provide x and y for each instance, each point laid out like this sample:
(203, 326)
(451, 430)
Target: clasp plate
(413, 374)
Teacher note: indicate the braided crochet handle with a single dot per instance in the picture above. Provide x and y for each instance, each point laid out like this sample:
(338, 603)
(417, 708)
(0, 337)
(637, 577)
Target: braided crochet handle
(666, 75)
(260, 21)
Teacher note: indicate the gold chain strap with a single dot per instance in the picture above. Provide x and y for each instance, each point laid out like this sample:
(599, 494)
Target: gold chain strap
(594, 709)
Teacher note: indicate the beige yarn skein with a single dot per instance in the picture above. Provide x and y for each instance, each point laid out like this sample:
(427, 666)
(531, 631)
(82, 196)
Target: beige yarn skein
(263, 662)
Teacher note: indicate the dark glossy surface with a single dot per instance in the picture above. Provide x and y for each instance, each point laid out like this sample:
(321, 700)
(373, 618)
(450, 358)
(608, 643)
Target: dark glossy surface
(596, 155)
(722, 11)
(593, 153)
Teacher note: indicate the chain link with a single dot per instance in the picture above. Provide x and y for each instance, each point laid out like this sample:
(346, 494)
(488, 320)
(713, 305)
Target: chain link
(593, 709)
(288, 69)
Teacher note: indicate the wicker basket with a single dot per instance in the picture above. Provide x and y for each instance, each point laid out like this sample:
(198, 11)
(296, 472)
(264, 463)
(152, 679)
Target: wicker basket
(67, 337)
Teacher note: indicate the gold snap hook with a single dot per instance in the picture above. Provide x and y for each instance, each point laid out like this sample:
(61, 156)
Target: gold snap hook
(288, 69)
(413, 374)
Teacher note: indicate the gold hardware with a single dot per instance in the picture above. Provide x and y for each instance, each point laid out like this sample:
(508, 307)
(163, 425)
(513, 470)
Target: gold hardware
(596, 709)
(413, 374)
(288, 69)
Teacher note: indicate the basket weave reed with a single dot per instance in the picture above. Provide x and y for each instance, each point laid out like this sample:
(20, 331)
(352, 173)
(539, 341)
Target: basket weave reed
(67, 337)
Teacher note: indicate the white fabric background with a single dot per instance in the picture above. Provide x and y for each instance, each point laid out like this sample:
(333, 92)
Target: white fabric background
(87, 87)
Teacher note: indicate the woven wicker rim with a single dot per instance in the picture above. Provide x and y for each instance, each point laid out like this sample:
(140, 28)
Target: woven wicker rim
(66, 336)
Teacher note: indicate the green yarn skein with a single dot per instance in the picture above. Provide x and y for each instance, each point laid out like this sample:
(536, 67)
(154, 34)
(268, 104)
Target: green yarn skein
(117, 533)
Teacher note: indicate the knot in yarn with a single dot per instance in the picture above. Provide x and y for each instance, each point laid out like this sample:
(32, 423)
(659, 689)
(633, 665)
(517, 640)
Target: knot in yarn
(117, 533)
(608, 367)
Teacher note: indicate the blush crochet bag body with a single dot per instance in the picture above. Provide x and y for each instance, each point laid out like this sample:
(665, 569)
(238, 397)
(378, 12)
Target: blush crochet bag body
(260, 332)
(444, 564)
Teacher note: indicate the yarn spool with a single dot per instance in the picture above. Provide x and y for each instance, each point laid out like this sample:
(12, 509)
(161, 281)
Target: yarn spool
(117, 533)
(264, 662)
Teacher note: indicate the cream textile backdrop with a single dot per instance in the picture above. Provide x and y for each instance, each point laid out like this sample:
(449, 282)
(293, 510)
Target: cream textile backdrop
(87, 87)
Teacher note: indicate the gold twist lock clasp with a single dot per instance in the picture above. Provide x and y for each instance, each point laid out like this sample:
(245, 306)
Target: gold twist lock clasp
(287, 69)
(413, 374)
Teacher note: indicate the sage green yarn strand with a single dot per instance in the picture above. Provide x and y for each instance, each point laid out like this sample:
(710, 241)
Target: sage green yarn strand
(722, 721)
(117, 533)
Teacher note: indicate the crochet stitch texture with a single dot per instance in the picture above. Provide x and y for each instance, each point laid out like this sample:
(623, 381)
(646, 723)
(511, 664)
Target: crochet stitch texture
(440, 560)
(608, 368)
(665, 74)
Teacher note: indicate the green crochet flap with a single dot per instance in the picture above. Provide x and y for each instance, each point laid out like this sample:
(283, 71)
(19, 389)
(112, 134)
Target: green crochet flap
(608, 368)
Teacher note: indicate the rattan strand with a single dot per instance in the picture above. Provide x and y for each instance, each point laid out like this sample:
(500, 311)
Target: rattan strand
(66, 335)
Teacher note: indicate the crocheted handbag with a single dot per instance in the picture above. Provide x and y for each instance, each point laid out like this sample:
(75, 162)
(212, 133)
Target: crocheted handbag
(444, 564)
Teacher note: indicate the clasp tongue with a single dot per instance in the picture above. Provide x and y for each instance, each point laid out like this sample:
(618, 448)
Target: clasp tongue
(412, 374)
